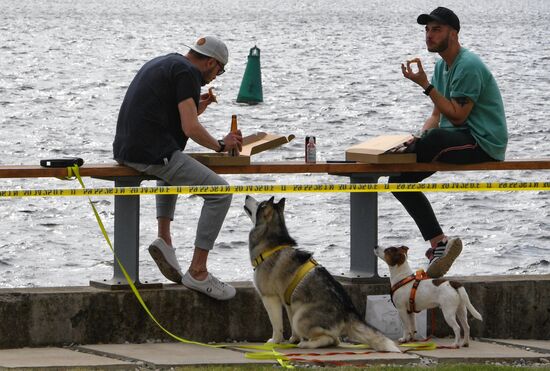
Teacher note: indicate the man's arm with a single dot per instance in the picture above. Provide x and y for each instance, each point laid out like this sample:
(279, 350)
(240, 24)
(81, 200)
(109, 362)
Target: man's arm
(432, 122)
(193, 129)
(455, 109)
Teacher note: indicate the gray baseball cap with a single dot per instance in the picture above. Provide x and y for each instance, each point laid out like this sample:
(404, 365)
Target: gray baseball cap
(211, 47)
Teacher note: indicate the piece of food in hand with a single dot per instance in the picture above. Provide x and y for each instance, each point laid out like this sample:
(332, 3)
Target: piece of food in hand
(212, 95)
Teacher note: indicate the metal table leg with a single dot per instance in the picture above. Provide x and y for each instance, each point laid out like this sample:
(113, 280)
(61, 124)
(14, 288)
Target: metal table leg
(126, 238)
(363, 231)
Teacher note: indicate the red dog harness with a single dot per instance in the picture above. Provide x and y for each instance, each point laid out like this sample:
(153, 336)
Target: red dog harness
(419, 276)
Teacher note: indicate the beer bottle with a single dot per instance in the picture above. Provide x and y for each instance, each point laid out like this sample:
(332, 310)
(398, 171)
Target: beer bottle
(233, 152)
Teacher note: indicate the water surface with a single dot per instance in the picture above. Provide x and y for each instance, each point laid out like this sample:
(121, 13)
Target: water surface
(329, 69)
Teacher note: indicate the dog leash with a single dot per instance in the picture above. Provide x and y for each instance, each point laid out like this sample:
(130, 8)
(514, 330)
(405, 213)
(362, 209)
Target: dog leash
(72, 173)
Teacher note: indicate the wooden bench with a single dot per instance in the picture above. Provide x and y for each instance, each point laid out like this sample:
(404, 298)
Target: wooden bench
(363, 206)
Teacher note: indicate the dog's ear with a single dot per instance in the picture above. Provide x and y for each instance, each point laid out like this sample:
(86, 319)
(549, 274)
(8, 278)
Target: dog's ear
(271, 199)
(281, 204)
(405, 248)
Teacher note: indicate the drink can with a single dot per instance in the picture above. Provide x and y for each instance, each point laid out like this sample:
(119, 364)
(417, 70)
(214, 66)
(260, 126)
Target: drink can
(307, 141)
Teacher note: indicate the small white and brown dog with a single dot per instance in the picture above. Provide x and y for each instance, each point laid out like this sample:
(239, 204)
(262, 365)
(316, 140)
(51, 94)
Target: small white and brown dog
(416, 292)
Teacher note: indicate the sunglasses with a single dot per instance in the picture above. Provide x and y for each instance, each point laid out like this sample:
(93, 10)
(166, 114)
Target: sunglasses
(221, 69)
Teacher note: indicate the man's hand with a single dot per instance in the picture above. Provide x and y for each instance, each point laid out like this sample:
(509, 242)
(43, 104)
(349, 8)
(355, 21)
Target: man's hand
(210, 96)
(418, 77)
(234, 141)
(205, 100)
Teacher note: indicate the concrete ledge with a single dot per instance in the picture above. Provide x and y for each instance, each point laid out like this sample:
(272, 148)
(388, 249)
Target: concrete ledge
(512, 307)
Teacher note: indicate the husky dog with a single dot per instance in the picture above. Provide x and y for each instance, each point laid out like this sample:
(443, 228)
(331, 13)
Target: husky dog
(450, 296)
(318, 308)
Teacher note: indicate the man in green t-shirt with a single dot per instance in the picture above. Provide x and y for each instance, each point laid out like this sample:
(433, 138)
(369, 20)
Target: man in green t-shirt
(467, 125)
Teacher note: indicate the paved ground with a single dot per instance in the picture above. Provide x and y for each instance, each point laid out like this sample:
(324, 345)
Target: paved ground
(166, 355)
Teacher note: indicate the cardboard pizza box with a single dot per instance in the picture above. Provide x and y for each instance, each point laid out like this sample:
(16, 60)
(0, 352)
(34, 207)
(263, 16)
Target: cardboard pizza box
(381, 150)
(252, 144)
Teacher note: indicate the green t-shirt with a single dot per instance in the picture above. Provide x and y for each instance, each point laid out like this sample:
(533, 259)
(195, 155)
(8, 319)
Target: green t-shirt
(469, 77)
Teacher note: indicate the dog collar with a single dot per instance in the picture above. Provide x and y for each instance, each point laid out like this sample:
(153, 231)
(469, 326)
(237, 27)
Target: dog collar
(302, 271)
(263, 256)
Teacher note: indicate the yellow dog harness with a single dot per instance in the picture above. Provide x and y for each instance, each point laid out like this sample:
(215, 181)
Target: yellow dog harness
(263, 256)
(300, 274)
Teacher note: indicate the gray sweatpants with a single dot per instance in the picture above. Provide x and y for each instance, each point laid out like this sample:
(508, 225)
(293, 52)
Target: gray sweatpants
(184, 170)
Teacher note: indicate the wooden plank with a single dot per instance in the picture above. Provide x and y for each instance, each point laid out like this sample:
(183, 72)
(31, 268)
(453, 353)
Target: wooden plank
(109, 170)
(348, 168)
(34, 171)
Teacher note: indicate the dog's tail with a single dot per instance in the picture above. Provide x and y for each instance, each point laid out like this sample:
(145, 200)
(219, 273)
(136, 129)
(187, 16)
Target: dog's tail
(466, 300)
(361, 332)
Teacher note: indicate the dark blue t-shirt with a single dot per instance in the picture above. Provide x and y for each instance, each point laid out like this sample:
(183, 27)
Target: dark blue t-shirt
(149, 126)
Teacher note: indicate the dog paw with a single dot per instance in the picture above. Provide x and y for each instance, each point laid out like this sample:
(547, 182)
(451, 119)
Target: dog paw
(294, 339)
(404, 340)
(306, 344)
(275, 341)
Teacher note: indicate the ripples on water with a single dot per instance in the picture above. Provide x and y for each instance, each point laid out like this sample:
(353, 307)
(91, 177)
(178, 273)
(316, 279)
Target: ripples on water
(330, 69)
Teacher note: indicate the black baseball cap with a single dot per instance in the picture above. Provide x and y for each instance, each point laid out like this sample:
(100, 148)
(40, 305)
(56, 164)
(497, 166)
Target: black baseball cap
(441, 15)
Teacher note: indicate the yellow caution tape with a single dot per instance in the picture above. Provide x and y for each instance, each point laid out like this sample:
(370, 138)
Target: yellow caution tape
(288, 188)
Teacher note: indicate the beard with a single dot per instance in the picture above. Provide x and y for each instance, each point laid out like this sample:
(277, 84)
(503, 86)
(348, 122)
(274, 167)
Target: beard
(440, 47)
(206, 79)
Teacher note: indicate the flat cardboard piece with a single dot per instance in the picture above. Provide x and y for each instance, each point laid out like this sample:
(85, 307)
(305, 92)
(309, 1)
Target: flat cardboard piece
(380, 150)
(252, 144)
